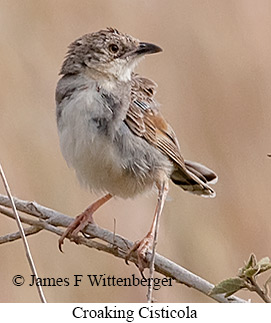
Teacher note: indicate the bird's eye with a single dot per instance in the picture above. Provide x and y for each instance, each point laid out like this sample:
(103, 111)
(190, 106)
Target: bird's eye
(113, 48)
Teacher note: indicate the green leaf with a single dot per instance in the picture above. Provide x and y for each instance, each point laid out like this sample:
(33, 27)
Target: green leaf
(253, 268)
(250, 272)
(251, 261)
(228, 286)
(264, 264)
(249, 269)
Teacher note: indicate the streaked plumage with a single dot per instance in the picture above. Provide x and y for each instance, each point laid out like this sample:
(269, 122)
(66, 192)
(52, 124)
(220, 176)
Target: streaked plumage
(145, 120)
(111, 130)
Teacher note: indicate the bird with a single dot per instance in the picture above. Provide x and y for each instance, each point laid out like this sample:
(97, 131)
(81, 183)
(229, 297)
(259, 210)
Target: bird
(112, 132)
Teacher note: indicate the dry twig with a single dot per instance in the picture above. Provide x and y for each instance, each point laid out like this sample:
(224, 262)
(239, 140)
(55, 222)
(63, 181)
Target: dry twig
(116, 245)
(22, 233)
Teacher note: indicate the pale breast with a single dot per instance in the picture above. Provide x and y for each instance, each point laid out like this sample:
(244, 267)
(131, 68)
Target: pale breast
(105, 154)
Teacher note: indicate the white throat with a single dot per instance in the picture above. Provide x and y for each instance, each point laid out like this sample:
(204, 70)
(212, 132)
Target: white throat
(122, 70)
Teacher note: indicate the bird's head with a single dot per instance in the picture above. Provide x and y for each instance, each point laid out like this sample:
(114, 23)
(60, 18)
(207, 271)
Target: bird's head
(107, 52)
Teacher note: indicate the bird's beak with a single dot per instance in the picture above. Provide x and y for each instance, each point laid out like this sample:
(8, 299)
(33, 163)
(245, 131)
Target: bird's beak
(147, 48)
(143, 49)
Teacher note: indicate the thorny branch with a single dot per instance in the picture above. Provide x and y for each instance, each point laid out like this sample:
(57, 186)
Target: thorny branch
(49, 220)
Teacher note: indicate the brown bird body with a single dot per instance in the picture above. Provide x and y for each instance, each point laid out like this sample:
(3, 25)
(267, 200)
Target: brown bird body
(111, 130)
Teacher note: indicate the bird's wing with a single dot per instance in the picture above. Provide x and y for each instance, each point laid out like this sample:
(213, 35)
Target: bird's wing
(145, 120)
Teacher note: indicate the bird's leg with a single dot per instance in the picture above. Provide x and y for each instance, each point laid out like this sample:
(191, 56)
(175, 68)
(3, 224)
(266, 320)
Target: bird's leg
(83, 219)
(143, 246)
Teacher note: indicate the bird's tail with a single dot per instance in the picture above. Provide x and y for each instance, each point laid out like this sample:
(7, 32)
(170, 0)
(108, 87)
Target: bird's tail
(195, 178)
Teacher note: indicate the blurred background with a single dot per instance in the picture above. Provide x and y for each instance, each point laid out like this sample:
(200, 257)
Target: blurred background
(214, 79)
